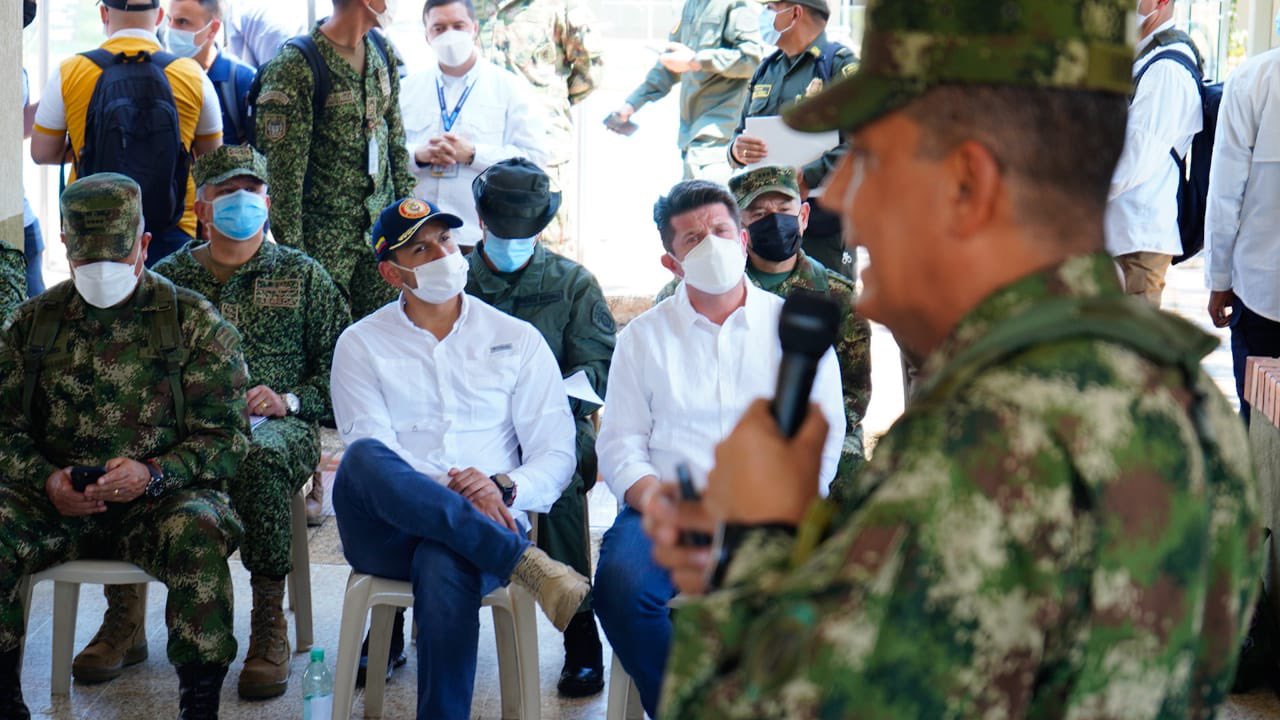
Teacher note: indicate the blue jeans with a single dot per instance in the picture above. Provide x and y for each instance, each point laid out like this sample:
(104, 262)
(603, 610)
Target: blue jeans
(397, 523)
(630, 597)
(32, 250)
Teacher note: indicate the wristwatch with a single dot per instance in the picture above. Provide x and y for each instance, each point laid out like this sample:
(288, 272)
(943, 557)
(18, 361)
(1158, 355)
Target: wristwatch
(292, 404)
(507, 486)
(155, 486)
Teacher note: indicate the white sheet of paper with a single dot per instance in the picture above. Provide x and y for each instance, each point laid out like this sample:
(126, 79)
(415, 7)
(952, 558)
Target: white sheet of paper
(256, 420)
(578, 386)
(786, 146)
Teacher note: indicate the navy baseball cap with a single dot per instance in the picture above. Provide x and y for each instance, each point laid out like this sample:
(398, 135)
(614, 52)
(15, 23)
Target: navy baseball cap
(400, 221)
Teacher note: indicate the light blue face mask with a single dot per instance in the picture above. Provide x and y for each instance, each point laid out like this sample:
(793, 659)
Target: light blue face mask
(768, 33)
(240, 215)
(183, 42)
(508, 254)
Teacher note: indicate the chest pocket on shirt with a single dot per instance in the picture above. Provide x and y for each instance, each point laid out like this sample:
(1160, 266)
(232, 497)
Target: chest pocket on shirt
(407, 392)
(491, 381)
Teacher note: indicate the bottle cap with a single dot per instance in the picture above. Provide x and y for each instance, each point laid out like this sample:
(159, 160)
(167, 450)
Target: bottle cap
(317, 654)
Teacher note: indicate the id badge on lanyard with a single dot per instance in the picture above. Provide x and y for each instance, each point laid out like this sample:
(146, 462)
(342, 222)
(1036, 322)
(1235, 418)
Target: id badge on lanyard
(447, 120)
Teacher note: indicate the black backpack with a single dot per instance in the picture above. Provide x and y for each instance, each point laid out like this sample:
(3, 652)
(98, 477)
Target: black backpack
(1193, 170)
(132, 128)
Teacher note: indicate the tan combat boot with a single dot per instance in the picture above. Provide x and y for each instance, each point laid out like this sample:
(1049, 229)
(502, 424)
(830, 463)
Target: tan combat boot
(558, 588)
(122, 639)
(266, 665)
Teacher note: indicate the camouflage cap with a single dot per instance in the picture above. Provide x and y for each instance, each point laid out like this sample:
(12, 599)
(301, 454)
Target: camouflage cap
(229, 161)
(748, 186)
(101, 216)
(911, 46)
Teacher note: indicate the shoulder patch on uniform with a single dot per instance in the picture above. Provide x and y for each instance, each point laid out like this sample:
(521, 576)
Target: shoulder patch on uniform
(274, 96)
(231, 313)
(848, 70)
(836, 281)
(602, 318)
(274, 126)
(761, 91)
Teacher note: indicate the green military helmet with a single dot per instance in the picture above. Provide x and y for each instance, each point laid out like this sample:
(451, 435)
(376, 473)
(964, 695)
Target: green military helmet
(101, 217)
(748, 186)
(229, 161)
(911, 46)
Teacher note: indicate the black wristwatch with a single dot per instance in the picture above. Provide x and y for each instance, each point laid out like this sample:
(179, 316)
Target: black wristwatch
(507, 486)
(155, 486)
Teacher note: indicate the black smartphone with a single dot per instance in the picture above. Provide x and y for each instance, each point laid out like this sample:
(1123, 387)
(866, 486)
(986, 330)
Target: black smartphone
(82, 476)
(688, 493)
(617, 125)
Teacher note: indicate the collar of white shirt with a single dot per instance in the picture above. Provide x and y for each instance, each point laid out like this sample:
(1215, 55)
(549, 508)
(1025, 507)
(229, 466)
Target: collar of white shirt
(402, 319)
(749, 312)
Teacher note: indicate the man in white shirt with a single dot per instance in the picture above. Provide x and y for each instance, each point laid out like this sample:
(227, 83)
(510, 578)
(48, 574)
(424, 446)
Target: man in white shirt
(682, 375)
(456, 423)
(257, 28)
(463, 115)
(1242, 220)
(1164, 117)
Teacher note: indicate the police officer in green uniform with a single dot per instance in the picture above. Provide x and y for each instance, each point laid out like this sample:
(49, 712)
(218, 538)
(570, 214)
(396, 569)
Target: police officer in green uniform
(513, 272)
(804, 63)
(332, 174)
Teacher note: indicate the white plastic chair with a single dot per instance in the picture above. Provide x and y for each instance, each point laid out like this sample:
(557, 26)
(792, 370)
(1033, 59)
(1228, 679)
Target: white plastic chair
(299, 581)
(514, 626)
(624, 698)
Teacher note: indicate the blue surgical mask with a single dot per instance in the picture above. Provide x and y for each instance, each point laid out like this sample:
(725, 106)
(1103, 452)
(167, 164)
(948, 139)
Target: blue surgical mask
(183, 42)
(240, 215)
(768, 33)
(508, 254)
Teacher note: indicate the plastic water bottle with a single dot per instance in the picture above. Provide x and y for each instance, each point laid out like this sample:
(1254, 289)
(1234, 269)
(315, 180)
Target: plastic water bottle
(317, 689)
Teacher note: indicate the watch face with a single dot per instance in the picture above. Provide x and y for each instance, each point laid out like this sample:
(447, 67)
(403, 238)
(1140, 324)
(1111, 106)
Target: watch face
(291, 401)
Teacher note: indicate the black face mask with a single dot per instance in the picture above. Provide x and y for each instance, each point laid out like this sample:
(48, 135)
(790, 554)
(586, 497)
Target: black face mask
(28, 12)
(775, 237)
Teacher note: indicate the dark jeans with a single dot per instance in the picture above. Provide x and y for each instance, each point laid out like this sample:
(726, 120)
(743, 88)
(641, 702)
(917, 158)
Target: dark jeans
(33, 250)
(166, 244)
(1251, 334)
(397, 523)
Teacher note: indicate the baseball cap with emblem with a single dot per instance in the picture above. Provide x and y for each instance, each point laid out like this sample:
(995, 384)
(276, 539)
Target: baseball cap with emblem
(229, 161)
(748, 186)
(514, 198)
(101, 217)
(911, 46)
(400, 221)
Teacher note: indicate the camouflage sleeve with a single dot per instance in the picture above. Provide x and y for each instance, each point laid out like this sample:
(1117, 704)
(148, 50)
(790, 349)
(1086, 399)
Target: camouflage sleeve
(214, 381)
(283, 129)
(13, 280)
(328, 316)
(402, 179)
(589, 339)
(583, 51)
(853, 348)
(20, 457)
(656, 85)
(741, 49)
(816, 172)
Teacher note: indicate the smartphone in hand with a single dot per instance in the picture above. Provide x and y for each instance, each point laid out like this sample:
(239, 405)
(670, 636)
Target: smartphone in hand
(688, 493)
(616, 124)
(82, 476)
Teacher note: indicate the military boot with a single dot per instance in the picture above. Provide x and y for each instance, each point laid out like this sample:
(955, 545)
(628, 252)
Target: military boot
(266, 665)
(11, 705)
(558, 588)
(199, 685)
(122, 639)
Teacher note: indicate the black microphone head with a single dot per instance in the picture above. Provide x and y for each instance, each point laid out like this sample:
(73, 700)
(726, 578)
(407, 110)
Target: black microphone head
(809, 323)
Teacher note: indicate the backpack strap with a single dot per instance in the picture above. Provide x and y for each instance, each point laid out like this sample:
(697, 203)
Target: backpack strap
(826, 63)
(762, 69)
(1196, 74)
(380, 44)
(229, 92)
(45, 324)
(166, 335)
(321, 82)
(102, 58)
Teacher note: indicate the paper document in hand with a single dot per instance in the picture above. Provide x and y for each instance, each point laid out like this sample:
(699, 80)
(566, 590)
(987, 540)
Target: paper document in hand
(578, 386)
(256, 420)
(788, 147)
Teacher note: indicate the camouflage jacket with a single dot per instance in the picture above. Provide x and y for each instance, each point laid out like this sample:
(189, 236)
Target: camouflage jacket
(289, 313)
(103, 392)
(853, 349)
(1067, 533)
(725, 37)
(551, 44)
(320, 179)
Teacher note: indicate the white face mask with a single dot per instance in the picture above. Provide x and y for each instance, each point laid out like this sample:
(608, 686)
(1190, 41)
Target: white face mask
(105, 284)
(386, 17)
(453, 47)
(716, 265)
(439, 280)
(1142, 19)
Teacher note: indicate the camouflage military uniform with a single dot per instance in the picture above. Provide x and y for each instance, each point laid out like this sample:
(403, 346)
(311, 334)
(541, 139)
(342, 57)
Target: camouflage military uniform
(725, 37)
(1066, 530)
(102, 393)
(853, 349)
(13, 280)
(324, 198)
(290, 315)
(551, 44)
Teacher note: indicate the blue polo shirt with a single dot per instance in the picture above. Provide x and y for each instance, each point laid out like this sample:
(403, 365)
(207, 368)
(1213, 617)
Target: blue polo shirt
(235, 115)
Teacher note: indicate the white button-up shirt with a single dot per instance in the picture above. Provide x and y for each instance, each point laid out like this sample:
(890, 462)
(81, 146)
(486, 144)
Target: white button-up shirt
(1242, 222)
(497, 117)
(489, 395)
(1166, 114)
(679, 384)
(256, 29)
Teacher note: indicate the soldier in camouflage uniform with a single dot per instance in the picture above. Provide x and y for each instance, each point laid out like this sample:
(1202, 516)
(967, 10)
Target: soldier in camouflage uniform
(290, 315)
(333, 174)
(127, 372)
(551, 44)
(776, 219)
(712, 53)
(1064, 521)
(564, 302)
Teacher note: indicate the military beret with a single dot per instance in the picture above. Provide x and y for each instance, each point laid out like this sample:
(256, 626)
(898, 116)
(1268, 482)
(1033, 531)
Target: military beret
(229, 161)
(101, 217)
(514, 198)
(911, 46)
(400, 221)
(748, 186)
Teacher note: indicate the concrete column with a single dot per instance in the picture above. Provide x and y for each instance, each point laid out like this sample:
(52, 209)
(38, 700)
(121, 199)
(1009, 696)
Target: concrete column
(11, 125)
(1261, 24)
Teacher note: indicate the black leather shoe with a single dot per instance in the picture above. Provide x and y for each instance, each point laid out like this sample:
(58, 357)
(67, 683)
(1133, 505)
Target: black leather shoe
(583, 673)
(395, 657)
(580, 682)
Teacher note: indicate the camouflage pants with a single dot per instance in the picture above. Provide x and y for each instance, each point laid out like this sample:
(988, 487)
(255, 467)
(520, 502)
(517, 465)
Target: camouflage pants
(558, 236)
(347, 256)
(13, 280)
(283, 455)
(562, 532)
(182, 539)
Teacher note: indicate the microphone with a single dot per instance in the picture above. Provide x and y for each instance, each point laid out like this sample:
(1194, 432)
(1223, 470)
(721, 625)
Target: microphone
(808, 326)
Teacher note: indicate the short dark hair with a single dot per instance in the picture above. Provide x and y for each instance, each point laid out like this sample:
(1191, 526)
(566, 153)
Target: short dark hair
(426, 8)
(691, 195)
(1061, 146)
(213, 6)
